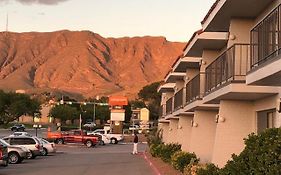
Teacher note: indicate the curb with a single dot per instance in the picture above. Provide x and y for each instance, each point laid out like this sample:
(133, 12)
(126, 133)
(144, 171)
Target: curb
(157, 172)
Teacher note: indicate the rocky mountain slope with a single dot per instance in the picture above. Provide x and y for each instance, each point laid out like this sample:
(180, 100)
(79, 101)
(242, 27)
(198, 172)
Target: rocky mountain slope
(83, 62)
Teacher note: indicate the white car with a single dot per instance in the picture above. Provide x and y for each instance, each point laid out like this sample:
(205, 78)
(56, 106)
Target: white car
(114, 138)
(47, 147)
(89, 124)
(104, 139)
(134, 127)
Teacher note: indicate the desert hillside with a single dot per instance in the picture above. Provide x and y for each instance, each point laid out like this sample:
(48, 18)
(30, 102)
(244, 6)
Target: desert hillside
(83, 62)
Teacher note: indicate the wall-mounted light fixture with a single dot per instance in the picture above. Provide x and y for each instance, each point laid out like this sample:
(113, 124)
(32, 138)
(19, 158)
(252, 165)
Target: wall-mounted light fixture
(194, 124)
(219, 119)
(179, 127)
(203, 62)
(232, 37)
(170, 129)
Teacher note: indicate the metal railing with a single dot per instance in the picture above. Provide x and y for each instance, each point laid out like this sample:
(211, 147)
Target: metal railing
(169, 106)
(194, 89)
(178, 100)
(266, 39)
(232, 65)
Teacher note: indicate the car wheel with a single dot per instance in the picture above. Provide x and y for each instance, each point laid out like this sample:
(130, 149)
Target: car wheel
(14, 158)
(60, 141)
(89, 143)
(29, 155)
(113, 140)
(102, 142)
(44, 152)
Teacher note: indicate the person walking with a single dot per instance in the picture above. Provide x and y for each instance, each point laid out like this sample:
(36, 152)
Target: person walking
(136, 140)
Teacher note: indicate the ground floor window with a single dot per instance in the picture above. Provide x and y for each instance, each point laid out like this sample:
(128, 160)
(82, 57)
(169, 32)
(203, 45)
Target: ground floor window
(266, 119)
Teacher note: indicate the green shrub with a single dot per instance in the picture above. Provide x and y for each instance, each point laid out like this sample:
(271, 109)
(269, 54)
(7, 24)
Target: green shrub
(192, 167)
(156, 149)
(181, 159)
(262, 155)
(154, 137)
(209, 169)
(168, 150)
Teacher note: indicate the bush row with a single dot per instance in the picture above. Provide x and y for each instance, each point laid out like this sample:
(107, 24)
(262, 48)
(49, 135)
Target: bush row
(262, 155)
(171, 153)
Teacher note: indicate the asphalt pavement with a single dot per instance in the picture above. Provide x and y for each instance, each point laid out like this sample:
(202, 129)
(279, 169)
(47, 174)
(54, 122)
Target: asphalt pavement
(74, 159)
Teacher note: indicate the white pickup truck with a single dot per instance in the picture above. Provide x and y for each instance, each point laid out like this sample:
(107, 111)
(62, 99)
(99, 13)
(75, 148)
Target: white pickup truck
(114, 138)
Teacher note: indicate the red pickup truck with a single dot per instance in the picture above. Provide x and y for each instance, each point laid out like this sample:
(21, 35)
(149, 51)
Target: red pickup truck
(76, 136)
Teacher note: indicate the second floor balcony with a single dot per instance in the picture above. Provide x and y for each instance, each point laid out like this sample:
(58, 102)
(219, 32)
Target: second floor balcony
(178, 100)
(230, 67)
(193, 89)
(266, 51)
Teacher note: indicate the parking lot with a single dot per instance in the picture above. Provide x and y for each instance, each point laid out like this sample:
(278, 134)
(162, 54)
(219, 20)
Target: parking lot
(77, 159)
(74, 159)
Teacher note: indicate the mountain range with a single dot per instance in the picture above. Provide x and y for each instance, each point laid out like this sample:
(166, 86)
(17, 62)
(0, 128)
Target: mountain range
(83, 62)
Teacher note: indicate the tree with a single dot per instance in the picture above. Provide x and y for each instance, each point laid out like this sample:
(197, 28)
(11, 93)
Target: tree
(13, 105)
(149, 98)
(64, 112)
(149, 93)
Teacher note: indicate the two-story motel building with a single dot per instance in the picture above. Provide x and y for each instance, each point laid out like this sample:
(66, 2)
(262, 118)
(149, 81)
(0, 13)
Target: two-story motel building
(227, 83)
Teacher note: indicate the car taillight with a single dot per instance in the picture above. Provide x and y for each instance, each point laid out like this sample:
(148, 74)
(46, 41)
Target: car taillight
(37, 146)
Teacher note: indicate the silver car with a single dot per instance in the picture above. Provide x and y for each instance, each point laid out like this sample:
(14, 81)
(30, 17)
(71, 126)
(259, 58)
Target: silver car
(16, 154)
(31, 143)
(47, 147)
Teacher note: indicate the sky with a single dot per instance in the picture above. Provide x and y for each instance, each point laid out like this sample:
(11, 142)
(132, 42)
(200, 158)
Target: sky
(177, 20)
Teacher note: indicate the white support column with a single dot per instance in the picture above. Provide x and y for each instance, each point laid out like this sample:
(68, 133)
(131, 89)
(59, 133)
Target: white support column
(236, 121)
(203, 134)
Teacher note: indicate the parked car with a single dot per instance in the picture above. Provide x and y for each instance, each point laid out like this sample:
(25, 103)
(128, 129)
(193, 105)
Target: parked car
(134, 127)
(76, 136)
(3, 155)
(18, 127)
(47, 147)
(16, 154)
(31, 143)
(104, 139)
(114, 138)
(89, 124)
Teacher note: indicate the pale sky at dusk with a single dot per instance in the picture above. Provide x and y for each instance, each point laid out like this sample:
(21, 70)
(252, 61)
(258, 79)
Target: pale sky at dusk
(174, 19)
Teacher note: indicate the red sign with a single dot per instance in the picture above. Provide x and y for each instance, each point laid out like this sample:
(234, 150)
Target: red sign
(118, 101)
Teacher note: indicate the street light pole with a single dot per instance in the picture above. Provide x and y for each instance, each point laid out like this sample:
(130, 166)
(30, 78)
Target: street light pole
(94, 117)
(80, 122)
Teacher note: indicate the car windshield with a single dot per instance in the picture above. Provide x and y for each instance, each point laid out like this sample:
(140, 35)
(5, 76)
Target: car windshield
(3, 142)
